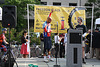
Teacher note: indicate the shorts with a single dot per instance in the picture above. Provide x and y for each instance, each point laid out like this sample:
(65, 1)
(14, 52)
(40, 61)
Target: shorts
(47, 43)
(83, 43)
(4, 48)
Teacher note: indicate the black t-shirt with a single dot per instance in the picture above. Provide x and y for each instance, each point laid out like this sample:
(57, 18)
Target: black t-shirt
(83, 27)
(23, 40)
(96, 40)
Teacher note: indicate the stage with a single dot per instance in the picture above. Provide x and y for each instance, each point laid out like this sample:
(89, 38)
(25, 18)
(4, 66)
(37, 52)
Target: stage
(61, 61)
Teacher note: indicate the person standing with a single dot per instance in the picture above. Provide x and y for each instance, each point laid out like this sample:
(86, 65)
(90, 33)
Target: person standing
(24, 47)
(62, 46)
(42, 43)
(57, 41)
(96, 43)
(47, 36)
(87, 42)
(65, 42)
(83, 28)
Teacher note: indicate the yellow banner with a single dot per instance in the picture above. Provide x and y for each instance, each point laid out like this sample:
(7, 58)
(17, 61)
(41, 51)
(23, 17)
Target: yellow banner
(66, 17)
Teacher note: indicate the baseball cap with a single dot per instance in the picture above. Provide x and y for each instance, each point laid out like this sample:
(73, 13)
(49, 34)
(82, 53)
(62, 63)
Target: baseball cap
(80, 18)
(4, 29)
(97, 29)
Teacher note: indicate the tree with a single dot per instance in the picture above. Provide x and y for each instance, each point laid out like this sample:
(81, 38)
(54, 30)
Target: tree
(96, 10)
(21, 11)
(21, 21)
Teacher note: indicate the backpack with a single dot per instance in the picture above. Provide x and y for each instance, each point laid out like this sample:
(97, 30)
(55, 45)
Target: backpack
(1, 39)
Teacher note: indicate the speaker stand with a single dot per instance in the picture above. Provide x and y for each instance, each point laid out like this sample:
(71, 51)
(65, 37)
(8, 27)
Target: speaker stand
(10, 53)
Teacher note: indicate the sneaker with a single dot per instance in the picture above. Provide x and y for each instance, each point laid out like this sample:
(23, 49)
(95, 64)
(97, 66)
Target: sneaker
(45, 60)
(86, 57)
(84, 61)
(40, 56)
(50, 59)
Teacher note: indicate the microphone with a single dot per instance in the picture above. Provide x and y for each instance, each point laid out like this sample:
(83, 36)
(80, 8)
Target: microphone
(57, 22)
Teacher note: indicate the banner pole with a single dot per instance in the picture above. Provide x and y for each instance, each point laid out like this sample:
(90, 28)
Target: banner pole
(78, 2)
(91, 31)
(28, 27)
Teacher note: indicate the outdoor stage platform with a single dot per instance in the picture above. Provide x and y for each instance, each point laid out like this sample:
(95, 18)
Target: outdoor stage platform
(61, 61)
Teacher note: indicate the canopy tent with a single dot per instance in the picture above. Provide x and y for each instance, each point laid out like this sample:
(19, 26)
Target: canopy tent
(97, 21)
(0, 13)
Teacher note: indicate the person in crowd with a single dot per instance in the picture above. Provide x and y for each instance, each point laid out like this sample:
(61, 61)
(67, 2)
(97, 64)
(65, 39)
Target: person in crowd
(96, 43)
(87, 42)
(47, 37)
(42, 43)
(62, 46)
(82, 27)
(3, 40)
(25, 45)
(57, 41)
(65, 42)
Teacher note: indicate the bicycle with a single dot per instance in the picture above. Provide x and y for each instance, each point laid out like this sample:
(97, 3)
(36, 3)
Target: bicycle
(4, 58)
(35, 51)
(16, 51)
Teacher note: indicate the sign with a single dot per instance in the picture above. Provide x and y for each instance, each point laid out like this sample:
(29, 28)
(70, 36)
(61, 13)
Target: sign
(65, 16)
(0, 13)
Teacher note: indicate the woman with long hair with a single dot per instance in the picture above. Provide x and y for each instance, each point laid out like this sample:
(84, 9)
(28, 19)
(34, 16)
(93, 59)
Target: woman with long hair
(24, 47)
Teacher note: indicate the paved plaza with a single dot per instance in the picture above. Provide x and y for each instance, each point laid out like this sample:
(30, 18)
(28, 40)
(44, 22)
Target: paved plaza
(61, 61)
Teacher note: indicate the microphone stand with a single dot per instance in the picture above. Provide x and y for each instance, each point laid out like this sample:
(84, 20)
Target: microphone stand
(56, 50)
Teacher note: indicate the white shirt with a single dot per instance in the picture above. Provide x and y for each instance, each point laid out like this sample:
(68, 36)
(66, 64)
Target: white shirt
(84, 35)
(65, 38)
(56, 38)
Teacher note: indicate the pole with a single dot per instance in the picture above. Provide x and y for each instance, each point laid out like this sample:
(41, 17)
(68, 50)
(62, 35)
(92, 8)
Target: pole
(28, 27)
(9, 57)
(78, 2)
(95, 26)
(56, 50)
(91, 31)
(57, 39)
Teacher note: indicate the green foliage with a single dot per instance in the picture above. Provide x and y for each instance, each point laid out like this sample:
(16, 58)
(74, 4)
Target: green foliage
(52, 38)
(21, 11)
(96, 10)
(0, 28)
(21, 21)
(34, 38)
(92, 1)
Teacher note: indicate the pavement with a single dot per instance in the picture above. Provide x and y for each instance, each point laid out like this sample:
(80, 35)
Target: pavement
(24, 62)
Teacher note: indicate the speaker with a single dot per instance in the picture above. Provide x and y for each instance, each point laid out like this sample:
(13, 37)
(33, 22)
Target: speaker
(75, 38)
(9, 17)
